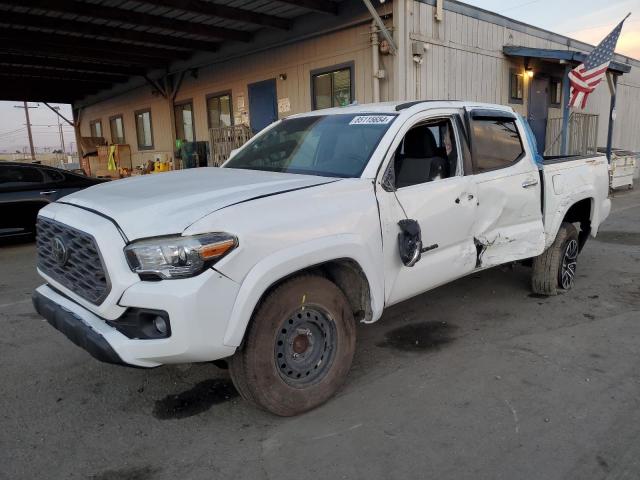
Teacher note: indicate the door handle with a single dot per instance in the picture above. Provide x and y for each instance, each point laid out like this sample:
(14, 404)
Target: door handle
(530, 183)
(48, 192)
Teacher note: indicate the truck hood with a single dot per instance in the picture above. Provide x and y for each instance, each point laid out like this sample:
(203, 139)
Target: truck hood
(167, 203)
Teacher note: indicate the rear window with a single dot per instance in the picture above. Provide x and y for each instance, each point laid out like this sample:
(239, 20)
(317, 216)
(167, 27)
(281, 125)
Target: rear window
(496, 144)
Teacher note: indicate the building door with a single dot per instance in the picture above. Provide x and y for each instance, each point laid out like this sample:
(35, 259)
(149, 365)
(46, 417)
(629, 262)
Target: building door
(539, 110)
(263, 104)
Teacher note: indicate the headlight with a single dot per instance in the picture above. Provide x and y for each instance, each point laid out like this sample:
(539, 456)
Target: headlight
(178, 257)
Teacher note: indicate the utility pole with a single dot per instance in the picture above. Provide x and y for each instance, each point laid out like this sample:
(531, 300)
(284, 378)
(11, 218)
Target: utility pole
(61, 133)
(26, 113)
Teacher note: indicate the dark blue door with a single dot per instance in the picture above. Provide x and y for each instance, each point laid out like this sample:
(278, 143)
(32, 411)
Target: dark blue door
(263, 104)
(539, 110)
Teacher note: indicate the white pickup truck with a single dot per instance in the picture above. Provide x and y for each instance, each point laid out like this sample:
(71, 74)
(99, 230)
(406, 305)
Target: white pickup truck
(319, 221)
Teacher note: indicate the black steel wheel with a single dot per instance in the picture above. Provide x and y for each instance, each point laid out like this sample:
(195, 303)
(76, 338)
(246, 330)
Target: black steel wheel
(305, 346)
(298, 347)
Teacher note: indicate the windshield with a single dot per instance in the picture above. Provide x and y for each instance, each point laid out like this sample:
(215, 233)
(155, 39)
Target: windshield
(326, 145)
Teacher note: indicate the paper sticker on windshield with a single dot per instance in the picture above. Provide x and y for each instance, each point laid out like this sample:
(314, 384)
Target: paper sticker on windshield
(371, 120)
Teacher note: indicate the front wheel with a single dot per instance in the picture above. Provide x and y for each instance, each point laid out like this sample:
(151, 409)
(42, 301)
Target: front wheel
(298, 348)
(554, 271)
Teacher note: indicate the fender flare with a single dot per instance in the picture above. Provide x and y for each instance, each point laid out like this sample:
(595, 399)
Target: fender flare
(594, 216)
(293, 259)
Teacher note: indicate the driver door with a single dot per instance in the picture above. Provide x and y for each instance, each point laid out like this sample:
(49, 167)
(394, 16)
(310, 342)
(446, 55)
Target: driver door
(443, 204)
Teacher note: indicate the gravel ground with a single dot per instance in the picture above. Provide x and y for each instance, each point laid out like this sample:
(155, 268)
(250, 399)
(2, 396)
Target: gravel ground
(477, 379)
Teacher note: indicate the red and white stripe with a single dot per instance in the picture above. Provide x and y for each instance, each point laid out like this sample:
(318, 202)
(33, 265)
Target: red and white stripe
(584, 82)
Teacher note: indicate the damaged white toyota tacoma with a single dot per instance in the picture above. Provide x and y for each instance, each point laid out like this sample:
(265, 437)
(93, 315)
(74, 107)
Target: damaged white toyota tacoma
(320, 221)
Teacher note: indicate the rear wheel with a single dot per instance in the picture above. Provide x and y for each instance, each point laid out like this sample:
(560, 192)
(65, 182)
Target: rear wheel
(298, 349)
(554, 271)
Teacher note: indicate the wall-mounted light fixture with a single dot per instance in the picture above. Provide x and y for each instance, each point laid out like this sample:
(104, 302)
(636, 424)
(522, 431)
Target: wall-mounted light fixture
(528, 69)
(282, 76)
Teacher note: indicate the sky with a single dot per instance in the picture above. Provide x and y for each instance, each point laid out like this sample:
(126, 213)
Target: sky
(586, 20)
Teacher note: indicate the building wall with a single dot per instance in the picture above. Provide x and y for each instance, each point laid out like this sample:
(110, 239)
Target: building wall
(464, 61)
(296, 61)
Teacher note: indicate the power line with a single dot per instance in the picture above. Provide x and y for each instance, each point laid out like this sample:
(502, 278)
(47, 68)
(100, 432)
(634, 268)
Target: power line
(602, 26)
(518, 6)
(12, 131)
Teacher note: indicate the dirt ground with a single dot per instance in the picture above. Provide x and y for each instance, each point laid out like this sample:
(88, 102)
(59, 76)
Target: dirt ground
(478, 379)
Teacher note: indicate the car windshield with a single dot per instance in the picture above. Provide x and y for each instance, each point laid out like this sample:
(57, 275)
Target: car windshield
(325, 145)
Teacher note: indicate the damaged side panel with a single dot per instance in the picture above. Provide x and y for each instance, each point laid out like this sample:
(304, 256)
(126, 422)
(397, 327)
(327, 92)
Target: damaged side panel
(508, 225)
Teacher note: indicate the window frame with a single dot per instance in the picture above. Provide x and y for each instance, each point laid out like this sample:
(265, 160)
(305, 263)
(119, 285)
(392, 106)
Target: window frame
(330, 69)
(113, 118)
(92, 126)
(555, 81)
(514, 72)
(218, 95)
(187, 101)
(135, 119)
(420, 119)
(493, 116)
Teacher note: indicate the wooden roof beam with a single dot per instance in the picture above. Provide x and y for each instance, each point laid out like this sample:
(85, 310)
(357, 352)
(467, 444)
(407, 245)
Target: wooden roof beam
(133, 17)
(226, 12)
(322, 6)
(73, 26)
(85, 66)
(72, 85)
(40, 72)
(35, 48)
(73, 42)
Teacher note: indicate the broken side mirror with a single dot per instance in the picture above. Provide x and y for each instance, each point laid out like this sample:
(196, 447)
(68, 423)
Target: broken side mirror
(410, 242)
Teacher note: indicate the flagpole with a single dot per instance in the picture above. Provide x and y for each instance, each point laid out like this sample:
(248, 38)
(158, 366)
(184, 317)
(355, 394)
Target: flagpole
(612, 108)
(566, 112)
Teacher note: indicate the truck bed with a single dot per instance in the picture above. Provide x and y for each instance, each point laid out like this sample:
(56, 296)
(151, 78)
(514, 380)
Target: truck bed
(572, 179)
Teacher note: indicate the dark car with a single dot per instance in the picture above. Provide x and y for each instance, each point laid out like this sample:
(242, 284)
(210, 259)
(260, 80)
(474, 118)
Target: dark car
(25, 188)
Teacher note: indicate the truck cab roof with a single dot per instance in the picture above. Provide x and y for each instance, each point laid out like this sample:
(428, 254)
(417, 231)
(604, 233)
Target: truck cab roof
(409, 107)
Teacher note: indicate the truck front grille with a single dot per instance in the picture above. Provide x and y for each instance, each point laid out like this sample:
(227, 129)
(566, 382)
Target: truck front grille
(71, 257)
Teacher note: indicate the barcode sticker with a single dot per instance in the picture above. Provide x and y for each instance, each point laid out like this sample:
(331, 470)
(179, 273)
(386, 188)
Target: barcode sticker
(371, 120)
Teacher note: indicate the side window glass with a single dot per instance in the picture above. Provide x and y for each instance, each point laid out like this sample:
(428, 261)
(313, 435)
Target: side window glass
(496, 144)
(427, 153)
(19, 176)
(54, 176)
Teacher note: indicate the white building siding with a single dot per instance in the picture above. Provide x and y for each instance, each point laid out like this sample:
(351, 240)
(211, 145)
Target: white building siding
(464, 61)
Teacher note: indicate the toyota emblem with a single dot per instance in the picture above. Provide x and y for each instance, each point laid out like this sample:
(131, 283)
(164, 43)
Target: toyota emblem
(59, 250)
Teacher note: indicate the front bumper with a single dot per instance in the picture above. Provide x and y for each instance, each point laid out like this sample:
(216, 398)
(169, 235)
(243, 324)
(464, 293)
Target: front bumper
(199, 309)
(75, 329)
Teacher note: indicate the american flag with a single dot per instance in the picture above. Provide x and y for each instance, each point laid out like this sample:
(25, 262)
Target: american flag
(586, 77)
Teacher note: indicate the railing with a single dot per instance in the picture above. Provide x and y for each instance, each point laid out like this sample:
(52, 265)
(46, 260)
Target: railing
(582, 138)
(225, 139)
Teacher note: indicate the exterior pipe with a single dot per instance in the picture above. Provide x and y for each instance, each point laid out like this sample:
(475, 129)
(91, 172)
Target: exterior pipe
(375, 61)
(381, 26)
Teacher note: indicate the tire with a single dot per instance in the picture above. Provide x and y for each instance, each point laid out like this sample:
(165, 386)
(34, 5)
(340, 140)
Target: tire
(298, 348)
(554, 270)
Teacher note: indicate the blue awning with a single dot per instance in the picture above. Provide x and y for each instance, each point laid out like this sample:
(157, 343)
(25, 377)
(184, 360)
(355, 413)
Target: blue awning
(567, 55)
